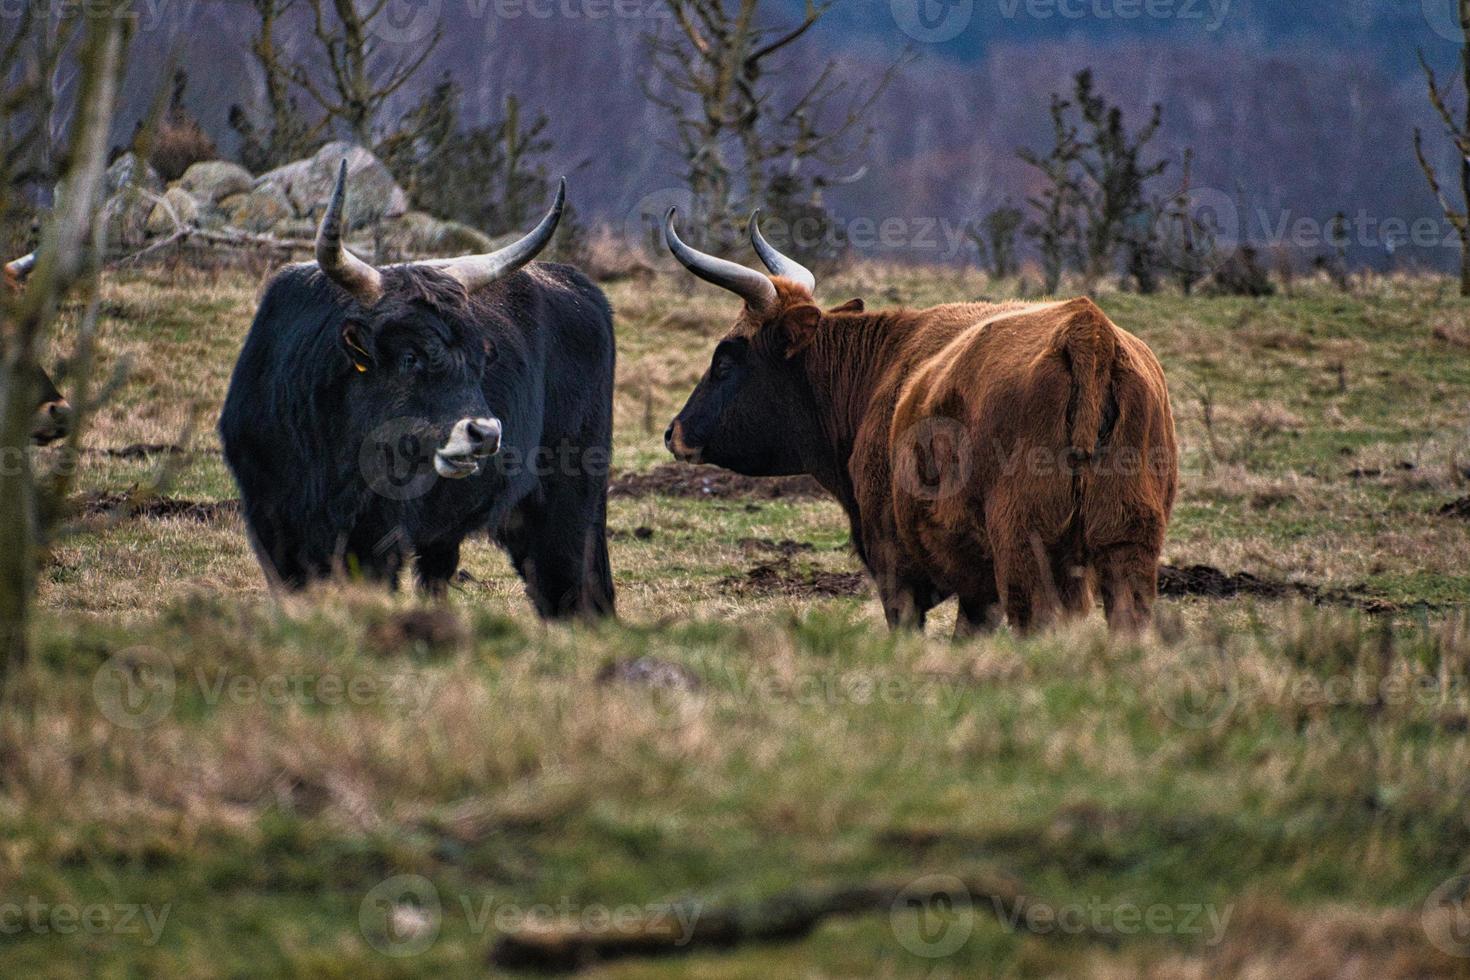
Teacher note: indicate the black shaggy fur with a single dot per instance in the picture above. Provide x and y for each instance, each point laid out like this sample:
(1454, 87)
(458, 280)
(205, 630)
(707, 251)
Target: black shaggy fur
(303, 428)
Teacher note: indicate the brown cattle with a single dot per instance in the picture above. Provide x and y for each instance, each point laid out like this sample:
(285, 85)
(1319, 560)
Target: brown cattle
(53, 413)
(1011, 455)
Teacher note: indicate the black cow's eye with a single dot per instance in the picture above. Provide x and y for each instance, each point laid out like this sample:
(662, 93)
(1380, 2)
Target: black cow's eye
(408, 361)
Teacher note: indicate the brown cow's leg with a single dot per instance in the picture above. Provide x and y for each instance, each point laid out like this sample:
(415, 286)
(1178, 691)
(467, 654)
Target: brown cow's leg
(978, 615)
(1023, 577)
(1129, 578)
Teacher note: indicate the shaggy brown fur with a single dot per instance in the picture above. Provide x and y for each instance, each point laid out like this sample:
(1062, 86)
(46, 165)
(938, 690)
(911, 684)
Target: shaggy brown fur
(1013, 455)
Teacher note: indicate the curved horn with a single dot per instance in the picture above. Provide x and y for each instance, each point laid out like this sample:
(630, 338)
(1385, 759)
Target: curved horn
(341, 266)
(780, 265)
(476, 271)
(17, 271)
(755, 288)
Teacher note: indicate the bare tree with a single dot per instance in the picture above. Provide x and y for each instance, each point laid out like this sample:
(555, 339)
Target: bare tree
(360, 75)
(1187, 239)
(1055, 227)
(1114, 196)
(289, 135)
(995, 239)
(1459, 134)
(67, 256)
(712, 73)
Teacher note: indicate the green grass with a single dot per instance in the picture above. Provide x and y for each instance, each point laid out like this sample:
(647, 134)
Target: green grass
(1261, 762)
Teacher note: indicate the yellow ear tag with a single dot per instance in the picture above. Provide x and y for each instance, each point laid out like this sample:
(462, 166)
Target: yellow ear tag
(360, 368)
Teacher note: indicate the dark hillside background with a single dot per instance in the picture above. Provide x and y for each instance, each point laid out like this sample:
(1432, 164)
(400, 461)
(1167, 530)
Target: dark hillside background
(1297, 109)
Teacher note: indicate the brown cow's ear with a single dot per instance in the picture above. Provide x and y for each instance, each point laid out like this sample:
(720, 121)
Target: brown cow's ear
(355, 343)
(801, 327)
(851, 306)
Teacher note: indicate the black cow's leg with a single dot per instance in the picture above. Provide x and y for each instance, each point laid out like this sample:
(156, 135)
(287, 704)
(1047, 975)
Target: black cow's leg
(436, 566)
(558, 544)
(374, 552)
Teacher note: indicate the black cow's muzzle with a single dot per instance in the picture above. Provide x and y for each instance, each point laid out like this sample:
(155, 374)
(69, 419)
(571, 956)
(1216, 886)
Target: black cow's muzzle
(470, 443)
(674, 442)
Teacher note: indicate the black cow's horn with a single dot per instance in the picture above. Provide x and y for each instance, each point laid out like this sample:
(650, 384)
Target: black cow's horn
(476, 271)
(16, 272)
(341, 266)
(755, 288)
(780, 265)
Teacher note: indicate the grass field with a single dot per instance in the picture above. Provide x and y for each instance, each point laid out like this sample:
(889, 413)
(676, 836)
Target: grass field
(199, 779)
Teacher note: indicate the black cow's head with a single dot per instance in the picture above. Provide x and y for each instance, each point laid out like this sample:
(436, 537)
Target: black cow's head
(414, 357)
(753, 411)
(52, 421)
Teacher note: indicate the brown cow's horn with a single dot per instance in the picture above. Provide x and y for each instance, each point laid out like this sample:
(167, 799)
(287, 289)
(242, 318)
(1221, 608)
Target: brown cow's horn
(345, 269)
(780, 265)
(16, 272)
(476, 271)
(755, 288)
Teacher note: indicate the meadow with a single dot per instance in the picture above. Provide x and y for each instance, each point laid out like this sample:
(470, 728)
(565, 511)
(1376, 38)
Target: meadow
(200, 778)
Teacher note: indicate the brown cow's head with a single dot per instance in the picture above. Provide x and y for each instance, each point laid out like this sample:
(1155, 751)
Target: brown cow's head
(53, 413)
(753, 411)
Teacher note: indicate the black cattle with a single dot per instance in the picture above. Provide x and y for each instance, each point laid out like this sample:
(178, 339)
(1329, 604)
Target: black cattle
(378, 414)
(53, 413)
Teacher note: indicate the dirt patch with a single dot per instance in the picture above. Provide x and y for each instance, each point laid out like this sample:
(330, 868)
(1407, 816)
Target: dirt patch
(684, 480)
(784, 577)
(124, 505)
(1209, 582)
(1456, 508)
(786, 547)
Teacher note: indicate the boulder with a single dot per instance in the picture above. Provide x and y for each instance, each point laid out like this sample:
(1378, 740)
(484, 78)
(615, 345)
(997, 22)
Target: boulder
(125, 217)
(129, 171)
(177, 204)
(372, 193)
(257, 211)
(215, 180)
(419, 234)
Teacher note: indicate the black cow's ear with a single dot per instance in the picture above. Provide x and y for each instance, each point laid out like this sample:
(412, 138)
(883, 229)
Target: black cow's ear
(801, 327)
(357, 345)
(851, 306)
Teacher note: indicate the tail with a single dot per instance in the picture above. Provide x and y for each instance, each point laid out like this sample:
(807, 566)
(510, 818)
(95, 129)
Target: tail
(1087, 341)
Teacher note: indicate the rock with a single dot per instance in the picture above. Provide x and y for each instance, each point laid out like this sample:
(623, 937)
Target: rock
(419, 234)
(372, 193)
(125, 217)
(129, 171)
(215, 180)
(285, 179)
(258, 211)
(178, 206)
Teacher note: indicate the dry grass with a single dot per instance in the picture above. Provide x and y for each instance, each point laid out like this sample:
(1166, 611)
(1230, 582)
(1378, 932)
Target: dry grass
(492, 755)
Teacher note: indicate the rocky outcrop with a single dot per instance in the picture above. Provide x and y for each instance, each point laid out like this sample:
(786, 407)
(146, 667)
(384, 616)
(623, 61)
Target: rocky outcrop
(285, 203)
(216, 180)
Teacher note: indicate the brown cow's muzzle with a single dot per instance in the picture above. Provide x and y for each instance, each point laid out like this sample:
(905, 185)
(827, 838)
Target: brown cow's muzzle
(53, 422)
(674, 442)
